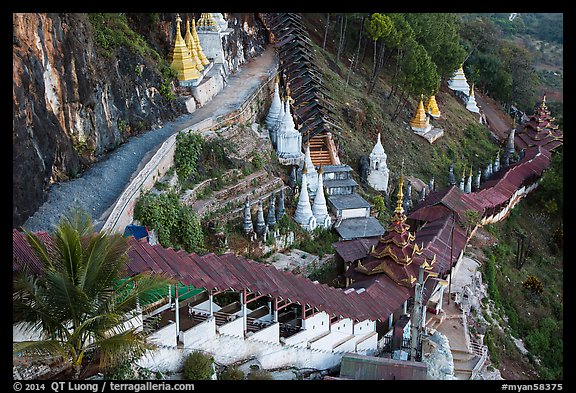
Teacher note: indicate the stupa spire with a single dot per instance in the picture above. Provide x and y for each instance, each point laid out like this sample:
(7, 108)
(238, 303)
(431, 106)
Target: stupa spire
(312, 174)
(468, 187)
(319, 208)
(199, 50)
(432, 107)
(247, 226)
(303, 214)
(378, 171)
(271, 217)
(281, 209)
(180, 59)
(471, 103)
(419, 122)
(260, 223)
(191, 45)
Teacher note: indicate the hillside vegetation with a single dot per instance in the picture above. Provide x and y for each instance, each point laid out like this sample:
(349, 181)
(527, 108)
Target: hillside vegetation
(525, 288)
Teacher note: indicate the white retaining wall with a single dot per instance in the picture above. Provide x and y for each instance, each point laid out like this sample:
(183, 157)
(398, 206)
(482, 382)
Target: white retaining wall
(164, 336)
(204, 331)
(269, 334)
(234, 328)
(345, 325)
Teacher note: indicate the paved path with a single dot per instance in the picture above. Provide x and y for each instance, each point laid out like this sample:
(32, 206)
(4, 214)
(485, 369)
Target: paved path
(101, 185)
(498, 121)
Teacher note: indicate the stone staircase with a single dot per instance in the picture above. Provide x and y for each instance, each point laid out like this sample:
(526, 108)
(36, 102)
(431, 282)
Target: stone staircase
(319, 151)
(467, 364)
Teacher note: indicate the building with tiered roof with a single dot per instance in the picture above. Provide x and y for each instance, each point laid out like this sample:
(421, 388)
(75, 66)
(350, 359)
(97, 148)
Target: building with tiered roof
(539, 130)
(396, 254)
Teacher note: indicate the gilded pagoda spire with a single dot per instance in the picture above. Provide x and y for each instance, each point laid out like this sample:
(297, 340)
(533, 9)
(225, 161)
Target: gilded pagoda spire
(199, 50)
(191, 44)
(432, 107)
(180, 59)
(207, 20)
(420, 121)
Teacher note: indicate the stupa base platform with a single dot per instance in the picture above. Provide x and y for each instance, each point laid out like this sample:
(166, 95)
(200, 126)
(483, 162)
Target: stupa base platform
(431, 135)
(299, 161)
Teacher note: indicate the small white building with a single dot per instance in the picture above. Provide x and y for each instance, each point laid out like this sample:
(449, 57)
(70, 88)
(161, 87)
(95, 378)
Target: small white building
(378, 172)
(349, 206)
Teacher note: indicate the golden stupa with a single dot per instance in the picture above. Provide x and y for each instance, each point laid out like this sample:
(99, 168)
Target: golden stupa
(180, 59)
(432, 107)
(191, 44)
(420, 121)
(207, 20)
(199, 50)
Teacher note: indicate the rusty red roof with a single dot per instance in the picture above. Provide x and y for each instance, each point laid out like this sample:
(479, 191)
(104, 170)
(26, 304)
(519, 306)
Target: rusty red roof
(351, 250)
(500, 188)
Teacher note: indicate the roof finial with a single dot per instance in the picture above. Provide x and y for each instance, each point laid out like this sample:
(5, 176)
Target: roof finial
(400, 196)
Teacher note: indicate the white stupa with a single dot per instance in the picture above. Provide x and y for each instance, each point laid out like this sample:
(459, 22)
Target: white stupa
(275, 114)
(303, 214)
(275, 106)
(319, 207)
(311, 174)
(458, 82)
(289, 139)
(471, 103)
(378, 172)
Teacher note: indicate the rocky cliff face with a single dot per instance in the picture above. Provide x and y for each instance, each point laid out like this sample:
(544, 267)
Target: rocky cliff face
(73, 101)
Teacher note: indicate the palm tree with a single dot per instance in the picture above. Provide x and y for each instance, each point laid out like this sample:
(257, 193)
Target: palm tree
(82, 304)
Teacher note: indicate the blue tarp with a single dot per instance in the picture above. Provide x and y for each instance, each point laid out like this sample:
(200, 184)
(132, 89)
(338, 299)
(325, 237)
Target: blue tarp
(138, 231)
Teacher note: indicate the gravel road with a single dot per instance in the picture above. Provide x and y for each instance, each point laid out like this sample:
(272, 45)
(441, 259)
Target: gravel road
(100, 186)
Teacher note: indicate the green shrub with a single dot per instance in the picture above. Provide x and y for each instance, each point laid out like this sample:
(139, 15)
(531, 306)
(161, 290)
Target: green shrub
(232, 374)
(259, 375)
(198, 366)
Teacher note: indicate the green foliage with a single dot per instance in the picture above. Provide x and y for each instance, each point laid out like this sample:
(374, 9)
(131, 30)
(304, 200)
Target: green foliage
(175, 223)
(378, 26)
(232, 374)
(534, 285)
(438, 35)
(260, 375)
(111, 31)
(80, 299)
(188, 148)
(318, 243)
(490, 279)
(198, 366)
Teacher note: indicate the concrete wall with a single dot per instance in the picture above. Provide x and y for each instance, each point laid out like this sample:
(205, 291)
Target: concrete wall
(205, 307)
(367, 343)
(317, 323)
(269, 334)
(332, 339)
(164, 336)
(352, 213)
(299, 339)
(211, 44)
(234, 328)
(345, 325)
(205, 330)
(230, 349)
(122, 211)
(212, 84)
(363, 327)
